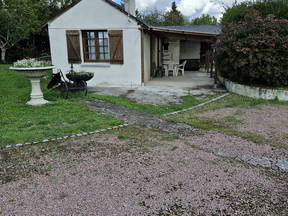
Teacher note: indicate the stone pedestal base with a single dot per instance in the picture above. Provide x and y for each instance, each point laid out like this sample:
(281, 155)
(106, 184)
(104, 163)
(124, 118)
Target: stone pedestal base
(36, 93)
(37, 102)
(35, 75)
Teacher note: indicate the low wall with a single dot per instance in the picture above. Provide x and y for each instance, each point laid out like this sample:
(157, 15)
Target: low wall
(255, 92)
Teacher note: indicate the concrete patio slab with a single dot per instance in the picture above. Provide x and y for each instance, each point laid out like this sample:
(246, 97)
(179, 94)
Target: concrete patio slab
(163, 91)
(152, 94)
(191, 79)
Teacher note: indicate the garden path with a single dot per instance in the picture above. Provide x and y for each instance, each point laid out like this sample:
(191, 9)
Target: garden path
(138, 118)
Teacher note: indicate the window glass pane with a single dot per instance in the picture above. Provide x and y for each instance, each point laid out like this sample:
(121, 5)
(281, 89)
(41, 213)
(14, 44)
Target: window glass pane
(101, 42)
(90, 35)
(105, 42)
(93, 57)
(102, 50)
(97, 50)
(102, 56)
(91, 42)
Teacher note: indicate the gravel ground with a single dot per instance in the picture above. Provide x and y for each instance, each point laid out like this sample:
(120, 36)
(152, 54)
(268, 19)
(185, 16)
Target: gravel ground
(92, 177)
(142, 171)
(267, 121)
(218, 113)
(235, 146)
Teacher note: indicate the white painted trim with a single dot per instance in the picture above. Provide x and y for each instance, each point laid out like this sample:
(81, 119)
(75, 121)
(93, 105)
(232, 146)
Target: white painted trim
(32, 69)
(95, 65)
(81, 47)
(199, 105)
(65, 137)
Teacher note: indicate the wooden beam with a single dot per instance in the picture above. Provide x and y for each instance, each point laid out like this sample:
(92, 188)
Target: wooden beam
(142, 57)
(184, 36)
(158, 51)
(151, 55)
(182, 32)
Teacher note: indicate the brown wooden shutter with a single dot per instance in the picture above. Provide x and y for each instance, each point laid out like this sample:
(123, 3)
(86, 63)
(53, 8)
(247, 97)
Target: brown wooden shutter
(73, 47)
(116, 46)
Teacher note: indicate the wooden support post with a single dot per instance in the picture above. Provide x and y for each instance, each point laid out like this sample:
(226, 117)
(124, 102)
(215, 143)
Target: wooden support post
(142, 58)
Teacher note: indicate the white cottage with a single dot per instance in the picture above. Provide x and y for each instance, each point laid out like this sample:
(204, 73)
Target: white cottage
(102, 37)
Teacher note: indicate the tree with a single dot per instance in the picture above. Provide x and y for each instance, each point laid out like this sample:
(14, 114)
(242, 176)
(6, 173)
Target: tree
(153, 17)
(205, 19)
(51, 7)
(174, 16)
(18, 18)
(236, 12)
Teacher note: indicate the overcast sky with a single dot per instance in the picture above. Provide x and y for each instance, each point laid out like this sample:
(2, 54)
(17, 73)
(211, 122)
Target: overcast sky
(191, 8)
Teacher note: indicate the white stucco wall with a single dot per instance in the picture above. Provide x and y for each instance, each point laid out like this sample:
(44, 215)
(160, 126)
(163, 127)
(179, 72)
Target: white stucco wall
(190, 50)
(255, 92)
(172, 55)
(98, 15)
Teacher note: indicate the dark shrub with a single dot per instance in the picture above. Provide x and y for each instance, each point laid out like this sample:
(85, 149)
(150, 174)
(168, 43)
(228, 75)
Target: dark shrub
(254, 51)
(236, 13)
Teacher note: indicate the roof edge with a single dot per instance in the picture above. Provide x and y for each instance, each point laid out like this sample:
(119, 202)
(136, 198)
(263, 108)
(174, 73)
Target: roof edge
(159, 29)
(63, 11)
(113, 4)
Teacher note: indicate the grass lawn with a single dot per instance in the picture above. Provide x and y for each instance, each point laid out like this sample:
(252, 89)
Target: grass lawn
(23, 123)
(228, 123)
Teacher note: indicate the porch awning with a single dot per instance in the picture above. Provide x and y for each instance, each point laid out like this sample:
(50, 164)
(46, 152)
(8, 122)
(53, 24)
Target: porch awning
(196, 33)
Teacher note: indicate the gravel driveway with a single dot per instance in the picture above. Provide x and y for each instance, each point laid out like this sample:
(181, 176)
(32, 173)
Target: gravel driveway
(154, 167)
(136, 171)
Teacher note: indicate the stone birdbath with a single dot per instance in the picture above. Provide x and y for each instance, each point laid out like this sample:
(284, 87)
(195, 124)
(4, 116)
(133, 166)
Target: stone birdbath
(34, 70)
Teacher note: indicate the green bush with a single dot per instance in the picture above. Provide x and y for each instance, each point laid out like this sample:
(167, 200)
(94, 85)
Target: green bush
(254, 50)
(236, 13)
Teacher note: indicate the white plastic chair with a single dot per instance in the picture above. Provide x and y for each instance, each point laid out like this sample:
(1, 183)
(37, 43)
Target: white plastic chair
(181, 68)
(170, 68)
(175, 69)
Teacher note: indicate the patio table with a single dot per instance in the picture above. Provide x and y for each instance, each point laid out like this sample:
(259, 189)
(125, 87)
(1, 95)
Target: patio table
(171, 67)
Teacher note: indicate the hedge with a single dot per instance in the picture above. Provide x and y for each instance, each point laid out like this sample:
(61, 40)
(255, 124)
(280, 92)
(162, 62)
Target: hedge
(254, 50)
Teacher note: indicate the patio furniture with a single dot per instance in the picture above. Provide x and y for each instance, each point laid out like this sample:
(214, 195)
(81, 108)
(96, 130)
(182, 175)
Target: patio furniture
(181, 68)
(192, 64)
(175, 70)
(172, 67)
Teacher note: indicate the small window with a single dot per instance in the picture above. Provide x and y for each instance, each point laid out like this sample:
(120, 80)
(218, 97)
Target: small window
(96, 46)
(166, 46)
